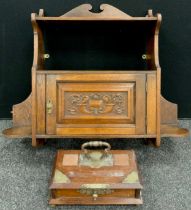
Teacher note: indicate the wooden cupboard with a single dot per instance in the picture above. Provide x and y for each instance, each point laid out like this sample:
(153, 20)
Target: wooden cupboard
(96, 103)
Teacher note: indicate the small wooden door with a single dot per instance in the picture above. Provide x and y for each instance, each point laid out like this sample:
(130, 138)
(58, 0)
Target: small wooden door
(95, 103)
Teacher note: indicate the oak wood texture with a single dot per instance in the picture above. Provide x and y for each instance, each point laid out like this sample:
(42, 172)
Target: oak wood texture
(151, 104)
(68, 192)
(41, 104)
(169, 112)
(96, 104)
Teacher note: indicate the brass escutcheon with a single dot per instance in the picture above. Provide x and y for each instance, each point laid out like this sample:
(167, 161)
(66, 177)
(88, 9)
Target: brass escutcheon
(49, 106)
(95, 190)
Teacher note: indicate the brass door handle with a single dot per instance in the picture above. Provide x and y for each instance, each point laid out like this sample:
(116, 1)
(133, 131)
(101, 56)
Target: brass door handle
(49, 107)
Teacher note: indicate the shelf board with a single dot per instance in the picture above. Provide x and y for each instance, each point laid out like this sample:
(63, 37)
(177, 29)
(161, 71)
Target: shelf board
(40, 71)
(173, 131)
(166, 131)
(95, 19)
(18, 132)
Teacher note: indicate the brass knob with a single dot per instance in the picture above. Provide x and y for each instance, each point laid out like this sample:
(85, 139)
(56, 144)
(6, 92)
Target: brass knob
(146, 57)
(46, 56)
(95, 196)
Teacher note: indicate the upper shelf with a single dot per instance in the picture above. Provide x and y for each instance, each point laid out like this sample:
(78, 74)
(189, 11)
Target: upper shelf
(95, 19)
(84, 13)
(55, 39)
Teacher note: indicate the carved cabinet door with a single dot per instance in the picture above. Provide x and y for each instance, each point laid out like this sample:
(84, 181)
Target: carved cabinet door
(95, 103)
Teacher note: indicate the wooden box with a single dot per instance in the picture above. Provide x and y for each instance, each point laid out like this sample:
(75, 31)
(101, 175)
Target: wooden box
(95, 177)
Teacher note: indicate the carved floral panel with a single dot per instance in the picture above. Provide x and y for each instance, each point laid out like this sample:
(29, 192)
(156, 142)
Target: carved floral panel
(96, 103)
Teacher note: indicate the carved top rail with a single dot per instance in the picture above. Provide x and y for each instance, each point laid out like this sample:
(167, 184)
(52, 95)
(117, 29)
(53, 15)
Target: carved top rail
(107, 12)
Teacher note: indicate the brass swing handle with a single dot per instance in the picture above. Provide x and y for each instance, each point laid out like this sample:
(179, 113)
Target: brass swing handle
(96, 144)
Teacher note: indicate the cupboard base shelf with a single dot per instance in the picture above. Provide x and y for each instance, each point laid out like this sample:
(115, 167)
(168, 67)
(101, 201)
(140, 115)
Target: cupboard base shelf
(26, 132)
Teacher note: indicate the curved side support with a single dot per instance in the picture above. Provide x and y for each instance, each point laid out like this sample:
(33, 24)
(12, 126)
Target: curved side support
(22, 113)
(169, 112)
(106, 11)
(22, 120)
(38, 57)
(156, 41)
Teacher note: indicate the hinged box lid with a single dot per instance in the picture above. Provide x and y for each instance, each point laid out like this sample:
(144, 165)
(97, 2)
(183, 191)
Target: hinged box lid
(75, 170)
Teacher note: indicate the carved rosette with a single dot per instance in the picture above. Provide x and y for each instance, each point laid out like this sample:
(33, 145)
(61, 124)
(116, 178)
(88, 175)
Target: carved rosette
(96, 103)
